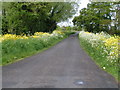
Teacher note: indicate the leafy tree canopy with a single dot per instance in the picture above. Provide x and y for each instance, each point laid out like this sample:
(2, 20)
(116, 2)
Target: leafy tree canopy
(29, 17)
(97, 17)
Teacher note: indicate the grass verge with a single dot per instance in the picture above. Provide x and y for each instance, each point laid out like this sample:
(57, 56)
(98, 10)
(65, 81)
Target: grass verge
(15, 50)
(21, 57)
(99, 59)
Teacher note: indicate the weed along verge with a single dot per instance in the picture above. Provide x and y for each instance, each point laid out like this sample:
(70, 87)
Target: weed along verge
(103, 48)
(15, 47)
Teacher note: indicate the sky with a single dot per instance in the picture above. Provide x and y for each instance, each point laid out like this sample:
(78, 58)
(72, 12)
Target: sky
(82, 4)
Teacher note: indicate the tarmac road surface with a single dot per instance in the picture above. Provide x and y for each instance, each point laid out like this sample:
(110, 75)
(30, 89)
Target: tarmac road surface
(65, 65)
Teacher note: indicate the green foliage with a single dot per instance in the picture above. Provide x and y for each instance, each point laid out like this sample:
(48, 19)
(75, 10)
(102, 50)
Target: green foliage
(13, 50)
(30, 17)
(97, 17)
(99, 56)
(59, 28)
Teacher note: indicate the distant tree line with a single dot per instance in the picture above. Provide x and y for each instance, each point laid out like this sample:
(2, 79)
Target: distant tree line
(100, 16)
(30, 17)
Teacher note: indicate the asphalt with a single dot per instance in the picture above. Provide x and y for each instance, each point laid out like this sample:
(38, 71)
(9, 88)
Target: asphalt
(65, 65)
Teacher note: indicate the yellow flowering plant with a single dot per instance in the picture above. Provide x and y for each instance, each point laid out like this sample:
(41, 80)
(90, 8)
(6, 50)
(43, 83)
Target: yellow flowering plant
(18, 46)
(103, 48)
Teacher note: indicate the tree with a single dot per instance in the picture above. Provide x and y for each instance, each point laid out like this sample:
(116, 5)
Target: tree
(25, 17)
(116, 15)
(95, 18)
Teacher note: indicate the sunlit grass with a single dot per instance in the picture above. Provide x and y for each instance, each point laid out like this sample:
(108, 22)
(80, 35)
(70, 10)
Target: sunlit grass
(102, 48)
(15, 47)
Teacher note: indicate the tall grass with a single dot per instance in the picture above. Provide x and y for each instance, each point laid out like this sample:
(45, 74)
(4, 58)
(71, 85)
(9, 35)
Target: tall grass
(16, 47)
(102, 48)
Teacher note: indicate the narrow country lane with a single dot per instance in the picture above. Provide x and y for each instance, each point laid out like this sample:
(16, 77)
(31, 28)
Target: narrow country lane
(65, 65)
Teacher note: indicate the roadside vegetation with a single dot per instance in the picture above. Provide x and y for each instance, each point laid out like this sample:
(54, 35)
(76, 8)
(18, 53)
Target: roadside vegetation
(31, 27)
(15, 47)
(100, 34)
(103, 48)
